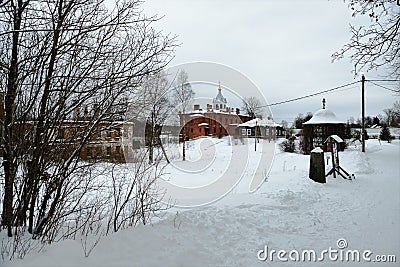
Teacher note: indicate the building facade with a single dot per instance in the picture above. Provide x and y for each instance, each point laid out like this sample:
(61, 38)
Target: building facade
(217, 119)
(260, 128)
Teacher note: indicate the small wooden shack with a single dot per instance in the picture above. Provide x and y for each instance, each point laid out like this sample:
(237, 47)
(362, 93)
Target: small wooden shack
(322, 125)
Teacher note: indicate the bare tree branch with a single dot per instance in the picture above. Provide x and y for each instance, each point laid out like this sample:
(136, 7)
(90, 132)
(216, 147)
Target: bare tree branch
(377, 44)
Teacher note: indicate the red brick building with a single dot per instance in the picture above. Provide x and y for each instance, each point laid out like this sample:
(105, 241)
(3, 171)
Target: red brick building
(217, 119)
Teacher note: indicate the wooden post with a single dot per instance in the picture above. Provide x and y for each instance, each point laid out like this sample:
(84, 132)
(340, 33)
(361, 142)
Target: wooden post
(363, 112)
(317, 166)
(333, 157)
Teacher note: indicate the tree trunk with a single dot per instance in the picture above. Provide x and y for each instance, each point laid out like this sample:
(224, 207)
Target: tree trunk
(9, 162)
(163, 150)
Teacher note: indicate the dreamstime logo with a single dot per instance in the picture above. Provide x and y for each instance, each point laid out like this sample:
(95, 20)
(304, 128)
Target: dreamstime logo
(341, 254)
(228, 166)
(341, 243)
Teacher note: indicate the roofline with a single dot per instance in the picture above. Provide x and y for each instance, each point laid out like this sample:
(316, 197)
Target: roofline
(319, 123)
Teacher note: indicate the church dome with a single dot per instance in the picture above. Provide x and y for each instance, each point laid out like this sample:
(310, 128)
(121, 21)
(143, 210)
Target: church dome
(324, 116)
(220, 98)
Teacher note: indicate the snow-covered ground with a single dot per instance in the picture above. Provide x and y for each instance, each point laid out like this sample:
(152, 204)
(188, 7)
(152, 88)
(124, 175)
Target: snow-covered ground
(289, 212)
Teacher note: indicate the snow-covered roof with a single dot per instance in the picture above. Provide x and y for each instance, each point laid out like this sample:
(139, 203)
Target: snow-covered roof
(251, 123)
(195, 113)
(203, 124)
(259, 122)
(334, 137)
(324, 116)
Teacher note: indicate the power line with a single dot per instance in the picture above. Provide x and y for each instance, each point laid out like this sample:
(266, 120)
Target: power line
(311, 95)
(386, 88)
(390, 80)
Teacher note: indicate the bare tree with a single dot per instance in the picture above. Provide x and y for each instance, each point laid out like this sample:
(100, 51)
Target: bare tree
(156, 100)
(57, 57)
(252, 106)
(377, 44)
(392, 115)
(182, 95)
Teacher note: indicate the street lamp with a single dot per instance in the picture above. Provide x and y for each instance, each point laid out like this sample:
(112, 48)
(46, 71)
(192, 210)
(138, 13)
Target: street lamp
(362, 111)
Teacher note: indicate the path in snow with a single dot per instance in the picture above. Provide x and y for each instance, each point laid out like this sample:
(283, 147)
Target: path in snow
(288, 212)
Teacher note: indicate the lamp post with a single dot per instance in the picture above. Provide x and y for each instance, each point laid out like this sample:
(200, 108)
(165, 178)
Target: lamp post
(362, 112)
(255, 137)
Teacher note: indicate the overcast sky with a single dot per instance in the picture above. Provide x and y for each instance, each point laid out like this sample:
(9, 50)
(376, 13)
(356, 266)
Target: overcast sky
(284, 47)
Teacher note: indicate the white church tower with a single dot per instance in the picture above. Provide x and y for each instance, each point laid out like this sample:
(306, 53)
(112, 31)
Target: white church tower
(219, 102)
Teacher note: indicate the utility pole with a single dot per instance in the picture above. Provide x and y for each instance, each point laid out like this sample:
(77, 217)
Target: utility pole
(363, 112)
(183, 98)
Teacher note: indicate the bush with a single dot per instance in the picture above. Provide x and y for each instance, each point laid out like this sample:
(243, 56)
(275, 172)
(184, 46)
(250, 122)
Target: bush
(288, 145)
(385, 134)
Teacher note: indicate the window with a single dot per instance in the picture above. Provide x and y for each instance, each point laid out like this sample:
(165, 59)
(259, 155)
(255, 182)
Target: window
(248, 131)
(243, 131)
(200, 130)
(108, 133)
(108, 151)
(117, 150)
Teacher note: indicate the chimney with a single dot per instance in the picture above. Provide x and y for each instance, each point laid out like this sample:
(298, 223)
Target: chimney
(208, 107)
(196, 107)
(237, 111)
